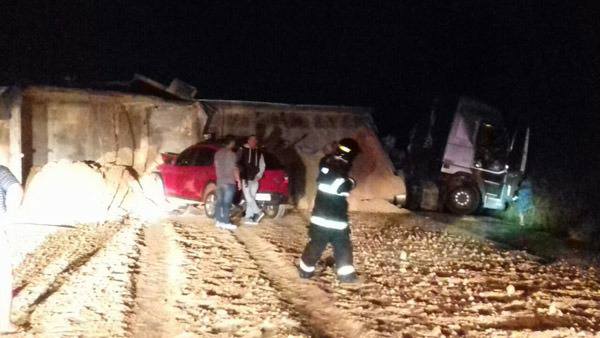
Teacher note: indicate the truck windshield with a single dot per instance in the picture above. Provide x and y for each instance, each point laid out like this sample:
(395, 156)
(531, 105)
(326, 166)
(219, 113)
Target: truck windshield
(491, 147)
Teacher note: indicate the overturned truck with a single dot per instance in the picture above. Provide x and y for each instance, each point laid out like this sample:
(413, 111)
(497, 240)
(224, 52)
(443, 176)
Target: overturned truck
(299, 134)
(95, 147)
(463, 157)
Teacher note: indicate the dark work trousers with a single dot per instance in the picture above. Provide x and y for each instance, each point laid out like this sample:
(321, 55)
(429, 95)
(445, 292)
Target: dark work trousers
(320, 237)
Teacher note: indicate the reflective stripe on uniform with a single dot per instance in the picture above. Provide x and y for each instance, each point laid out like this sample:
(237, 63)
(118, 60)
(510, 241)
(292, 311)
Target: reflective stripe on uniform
(345, 270)
(328, 223)
(305, 267)
(331, 188)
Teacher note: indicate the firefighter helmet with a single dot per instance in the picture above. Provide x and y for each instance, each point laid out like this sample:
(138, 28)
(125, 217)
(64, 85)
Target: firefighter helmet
(347, 149)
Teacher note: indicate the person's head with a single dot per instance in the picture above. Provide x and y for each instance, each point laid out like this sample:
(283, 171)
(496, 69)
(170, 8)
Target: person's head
(347, 149)
(252, 141)
(229, 142)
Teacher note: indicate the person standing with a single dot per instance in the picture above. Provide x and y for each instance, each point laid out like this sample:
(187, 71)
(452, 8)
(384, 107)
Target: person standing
(329, 220)
(11, 195)
(252, 168)
(524, 201)
(228, 178)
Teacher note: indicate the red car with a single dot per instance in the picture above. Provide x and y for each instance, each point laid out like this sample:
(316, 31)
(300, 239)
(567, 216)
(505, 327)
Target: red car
(191, 175)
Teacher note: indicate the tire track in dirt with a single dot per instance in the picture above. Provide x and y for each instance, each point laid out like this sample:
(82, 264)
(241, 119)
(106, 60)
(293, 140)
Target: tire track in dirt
(44, 271)
(156, 284)
(94, 295)
(224, 292)
(310, 300)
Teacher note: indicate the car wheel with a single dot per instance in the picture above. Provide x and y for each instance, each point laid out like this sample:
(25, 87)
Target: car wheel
(210, 201)
(274, 211)
(463, 200)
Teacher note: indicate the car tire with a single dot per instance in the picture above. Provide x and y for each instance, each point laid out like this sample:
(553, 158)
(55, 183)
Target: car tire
(274, 211)
(463, 200)
(210, 200)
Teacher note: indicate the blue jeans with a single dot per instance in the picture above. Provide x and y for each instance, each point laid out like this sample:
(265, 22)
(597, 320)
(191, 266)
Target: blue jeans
(225, 193)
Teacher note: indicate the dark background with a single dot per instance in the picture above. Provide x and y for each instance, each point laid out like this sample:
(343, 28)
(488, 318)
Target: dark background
(533, 59)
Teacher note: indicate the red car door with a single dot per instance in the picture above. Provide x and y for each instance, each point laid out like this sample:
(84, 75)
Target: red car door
(177, 177)
(204, 171)
(195, 172)
(187, 176)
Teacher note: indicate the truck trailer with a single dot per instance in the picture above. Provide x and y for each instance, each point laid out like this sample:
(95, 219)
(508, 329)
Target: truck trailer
(464, 157)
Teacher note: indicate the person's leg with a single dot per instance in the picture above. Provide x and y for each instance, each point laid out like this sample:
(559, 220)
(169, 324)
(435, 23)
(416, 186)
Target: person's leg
(313, 250)
(219, 204)
(252, 209)
(258, 213)
(247, 197)
(5, 286)
(253, 189)
(342, 251)
(228, 194)
(521, 218)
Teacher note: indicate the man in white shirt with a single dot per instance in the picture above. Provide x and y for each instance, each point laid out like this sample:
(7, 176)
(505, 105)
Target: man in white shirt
(252, 168)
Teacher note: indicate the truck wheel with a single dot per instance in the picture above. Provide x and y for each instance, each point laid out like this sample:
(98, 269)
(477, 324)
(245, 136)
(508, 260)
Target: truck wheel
(210, 201)
(463, 200)
(274, 211)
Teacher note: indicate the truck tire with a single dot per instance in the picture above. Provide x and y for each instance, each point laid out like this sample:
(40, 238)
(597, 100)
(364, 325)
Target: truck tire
(463, 200)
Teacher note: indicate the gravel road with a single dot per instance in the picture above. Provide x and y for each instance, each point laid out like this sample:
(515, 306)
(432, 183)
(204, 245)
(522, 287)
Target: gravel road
(183, 277)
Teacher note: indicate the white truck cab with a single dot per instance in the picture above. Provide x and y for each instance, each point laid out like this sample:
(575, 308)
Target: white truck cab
(481, 161)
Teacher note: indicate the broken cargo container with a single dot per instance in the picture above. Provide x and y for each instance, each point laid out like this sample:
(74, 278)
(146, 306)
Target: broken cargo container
(465, 157)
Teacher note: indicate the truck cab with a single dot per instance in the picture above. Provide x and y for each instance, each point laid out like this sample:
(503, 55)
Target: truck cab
(473, 159)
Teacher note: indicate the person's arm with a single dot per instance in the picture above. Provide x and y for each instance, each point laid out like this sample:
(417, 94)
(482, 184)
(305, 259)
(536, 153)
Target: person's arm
(240, 163)
(13, 193)
(14, 196)
(261, 167)
(347, 186)
(236, 173)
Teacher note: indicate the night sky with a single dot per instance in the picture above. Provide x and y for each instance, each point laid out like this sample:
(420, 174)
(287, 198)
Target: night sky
(537, 60)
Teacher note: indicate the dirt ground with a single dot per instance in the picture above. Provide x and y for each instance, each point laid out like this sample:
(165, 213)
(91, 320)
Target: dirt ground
(182, 277)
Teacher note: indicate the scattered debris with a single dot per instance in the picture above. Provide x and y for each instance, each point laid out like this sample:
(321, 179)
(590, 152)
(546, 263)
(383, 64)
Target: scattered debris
(226, 284)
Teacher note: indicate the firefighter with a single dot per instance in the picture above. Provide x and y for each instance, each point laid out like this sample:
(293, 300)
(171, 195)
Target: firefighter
(329, 220)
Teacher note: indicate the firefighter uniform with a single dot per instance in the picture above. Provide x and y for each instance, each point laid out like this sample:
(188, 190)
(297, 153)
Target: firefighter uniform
(329, 220)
